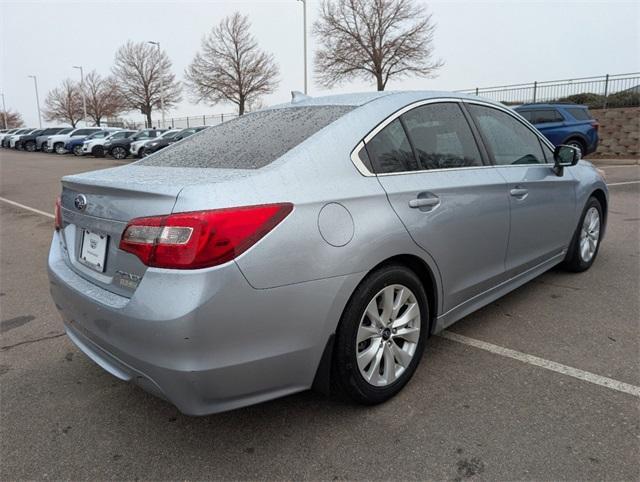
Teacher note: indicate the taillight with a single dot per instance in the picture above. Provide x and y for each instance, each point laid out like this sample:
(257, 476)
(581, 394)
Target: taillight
(58, 214)
(200, 239)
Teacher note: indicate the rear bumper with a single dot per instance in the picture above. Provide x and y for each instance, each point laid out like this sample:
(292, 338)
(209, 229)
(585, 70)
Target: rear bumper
(204, 340)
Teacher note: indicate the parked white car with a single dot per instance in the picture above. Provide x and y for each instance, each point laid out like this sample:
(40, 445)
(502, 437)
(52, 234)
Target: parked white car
(56, 143)
(7, 134)
(15, 137)
(137, 147)
(95, 146)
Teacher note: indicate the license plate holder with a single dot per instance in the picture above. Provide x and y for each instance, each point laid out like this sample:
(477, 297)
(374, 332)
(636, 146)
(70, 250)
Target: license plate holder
(93, 251)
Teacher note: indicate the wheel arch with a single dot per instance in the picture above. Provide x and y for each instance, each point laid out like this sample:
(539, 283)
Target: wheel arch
(579, 137)
(602, 199)
(427, 277)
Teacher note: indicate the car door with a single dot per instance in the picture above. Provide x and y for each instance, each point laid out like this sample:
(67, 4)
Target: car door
(453, 205)
(542, 204)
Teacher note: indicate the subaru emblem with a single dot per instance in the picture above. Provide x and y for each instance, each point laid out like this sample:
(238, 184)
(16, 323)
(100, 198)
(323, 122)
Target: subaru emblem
(80, 202)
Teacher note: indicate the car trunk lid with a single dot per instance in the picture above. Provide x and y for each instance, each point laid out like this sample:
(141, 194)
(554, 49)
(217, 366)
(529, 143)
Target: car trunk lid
(97, 206)
(95, 209)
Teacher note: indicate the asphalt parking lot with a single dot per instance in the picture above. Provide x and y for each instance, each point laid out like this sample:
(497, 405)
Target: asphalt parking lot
(472, 411)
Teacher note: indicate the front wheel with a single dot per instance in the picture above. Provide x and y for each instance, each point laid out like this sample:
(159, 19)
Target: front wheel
(586, 240)
(30, 146)
(381, 335)
(59, 148)
(97, 151)
(77, 150)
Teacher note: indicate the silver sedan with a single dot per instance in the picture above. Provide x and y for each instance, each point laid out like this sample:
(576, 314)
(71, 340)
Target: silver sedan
(314, 244)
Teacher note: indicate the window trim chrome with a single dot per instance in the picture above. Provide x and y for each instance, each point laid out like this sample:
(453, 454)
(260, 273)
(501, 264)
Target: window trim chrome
(363, 170)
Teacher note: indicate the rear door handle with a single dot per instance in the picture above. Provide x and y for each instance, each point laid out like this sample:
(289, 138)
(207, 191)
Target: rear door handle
(519, 192)
(424, 202)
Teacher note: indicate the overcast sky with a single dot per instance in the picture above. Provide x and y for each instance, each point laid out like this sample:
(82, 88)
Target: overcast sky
(482, 43)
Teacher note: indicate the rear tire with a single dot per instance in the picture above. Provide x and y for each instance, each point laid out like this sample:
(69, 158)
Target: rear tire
(585, 243)
(97, 151)
(119, 153)
(377, 348)
(577, 143)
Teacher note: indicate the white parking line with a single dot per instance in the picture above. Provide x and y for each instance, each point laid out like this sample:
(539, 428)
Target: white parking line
(622, 183)
(483, 345)
(37, 211)
(546, 364)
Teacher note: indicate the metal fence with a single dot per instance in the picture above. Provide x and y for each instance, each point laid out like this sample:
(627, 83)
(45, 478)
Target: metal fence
(193, 121)
(620, 90)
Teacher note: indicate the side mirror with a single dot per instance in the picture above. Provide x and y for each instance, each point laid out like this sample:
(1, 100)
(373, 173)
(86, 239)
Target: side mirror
(565, 156)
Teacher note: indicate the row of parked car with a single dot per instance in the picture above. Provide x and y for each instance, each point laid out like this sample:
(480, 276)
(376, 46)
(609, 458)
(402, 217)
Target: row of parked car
(94, 141)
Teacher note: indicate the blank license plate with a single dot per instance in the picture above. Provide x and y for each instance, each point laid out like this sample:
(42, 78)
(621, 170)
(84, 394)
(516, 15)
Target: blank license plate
(94, 249)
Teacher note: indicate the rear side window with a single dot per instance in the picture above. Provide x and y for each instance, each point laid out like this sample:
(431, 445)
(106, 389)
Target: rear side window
(579, 114)
(527, 114)
(441, 137)
(509, 140)
(390, 150)
(546, 116)
(250, 141)
(83, 132)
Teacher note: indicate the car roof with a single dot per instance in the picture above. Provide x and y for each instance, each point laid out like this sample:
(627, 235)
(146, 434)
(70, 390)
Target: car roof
(400, 98)
(550, 105)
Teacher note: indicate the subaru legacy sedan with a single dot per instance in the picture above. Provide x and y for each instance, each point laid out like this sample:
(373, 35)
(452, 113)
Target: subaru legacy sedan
(314, 244)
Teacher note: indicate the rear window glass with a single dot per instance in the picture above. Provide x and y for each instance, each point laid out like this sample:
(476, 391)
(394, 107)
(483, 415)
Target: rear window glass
(579, 114)
(251, 141)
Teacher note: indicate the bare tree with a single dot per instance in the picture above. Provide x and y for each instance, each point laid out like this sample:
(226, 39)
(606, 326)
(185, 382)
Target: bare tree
(13, 119)
(231, 67)
(103, 97)
(64, 103)
(373, 38)
(140, 69)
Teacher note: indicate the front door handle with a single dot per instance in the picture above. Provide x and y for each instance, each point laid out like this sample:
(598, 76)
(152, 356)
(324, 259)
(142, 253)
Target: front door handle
(519, 192)
(424, 202)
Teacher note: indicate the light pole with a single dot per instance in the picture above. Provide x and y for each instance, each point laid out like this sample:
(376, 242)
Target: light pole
(35, 83)
(157, 44)
(4, 112)
(304, 33)
(84, 100)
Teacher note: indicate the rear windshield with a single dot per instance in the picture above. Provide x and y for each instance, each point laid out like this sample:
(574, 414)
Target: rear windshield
(578, 113)
(251, 141)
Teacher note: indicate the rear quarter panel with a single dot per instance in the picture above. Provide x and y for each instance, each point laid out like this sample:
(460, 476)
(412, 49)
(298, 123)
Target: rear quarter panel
(310, 176)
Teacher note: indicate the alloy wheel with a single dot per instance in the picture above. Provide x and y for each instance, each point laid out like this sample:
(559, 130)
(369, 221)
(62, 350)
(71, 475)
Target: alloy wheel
(577, 145)
(59, 148)
(388, 335)
(77, 150)
(119, 153)
(589, 234)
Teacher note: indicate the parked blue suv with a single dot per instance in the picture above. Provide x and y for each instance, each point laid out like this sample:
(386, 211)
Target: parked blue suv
(570, 124)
